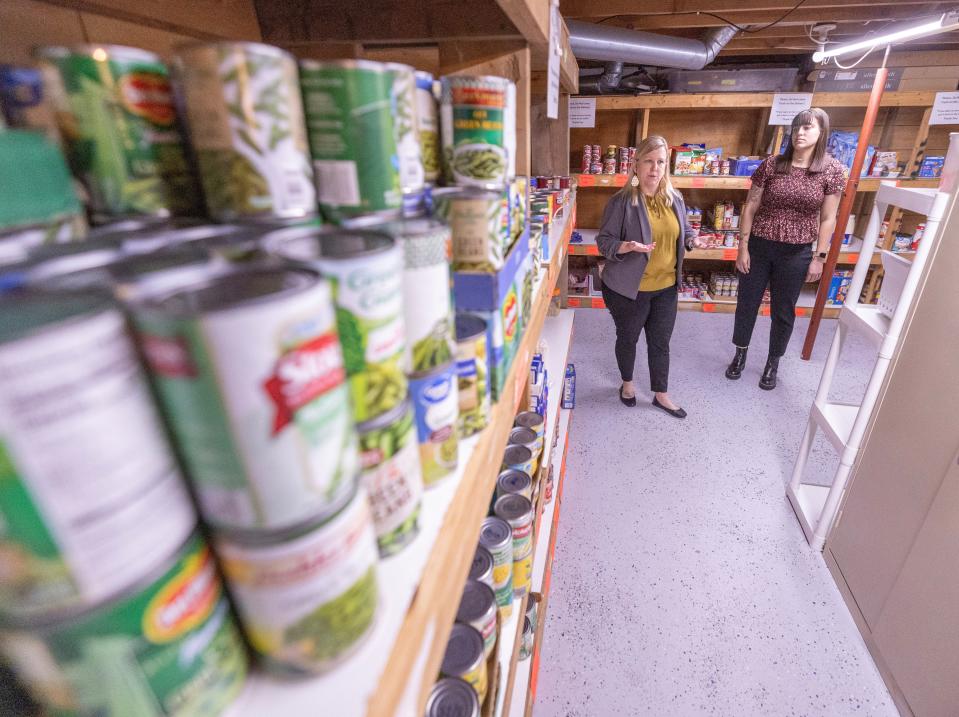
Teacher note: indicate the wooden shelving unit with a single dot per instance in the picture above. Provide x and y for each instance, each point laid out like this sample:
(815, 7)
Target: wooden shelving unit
(616, 181)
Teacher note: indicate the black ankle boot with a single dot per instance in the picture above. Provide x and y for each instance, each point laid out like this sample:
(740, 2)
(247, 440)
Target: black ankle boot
(735, 369)
(768, 380)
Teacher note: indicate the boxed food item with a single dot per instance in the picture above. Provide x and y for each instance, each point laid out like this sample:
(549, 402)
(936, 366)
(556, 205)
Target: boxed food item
(932, 167)
(687, 158)
(839, 287)
(885, 164)
(744, 166)
(569, 387)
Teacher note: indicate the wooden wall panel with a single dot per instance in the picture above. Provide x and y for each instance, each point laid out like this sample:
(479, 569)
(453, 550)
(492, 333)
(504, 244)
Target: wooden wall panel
(25, 24)
(100, 28)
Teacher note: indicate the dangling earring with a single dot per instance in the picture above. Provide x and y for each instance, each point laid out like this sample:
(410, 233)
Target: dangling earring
(634, 182)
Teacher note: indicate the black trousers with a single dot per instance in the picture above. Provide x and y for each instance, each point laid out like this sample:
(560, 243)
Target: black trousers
(783, 268)
(654, 311)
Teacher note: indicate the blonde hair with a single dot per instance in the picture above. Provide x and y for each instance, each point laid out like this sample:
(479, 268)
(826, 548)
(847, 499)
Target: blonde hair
(665, 191)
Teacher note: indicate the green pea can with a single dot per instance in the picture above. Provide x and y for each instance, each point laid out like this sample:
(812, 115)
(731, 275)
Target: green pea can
(479, 222)
(391, 475)
(120, 128)
(246, 123)
(436, 406)
(167, 648)
(308, 596)
(409, 151)
(248, 367)
(427, 121)
(474, 126)
(349, 119)
(365, 269)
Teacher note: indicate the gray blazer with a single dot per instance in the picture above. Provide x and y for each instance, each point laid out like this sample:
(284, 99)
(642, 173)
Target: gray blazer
(624, 222)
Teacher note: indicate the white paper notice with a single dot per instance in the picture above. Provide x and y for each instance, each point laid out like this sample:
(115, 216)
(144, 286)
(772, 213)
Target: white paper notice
(945, 110)
(582, 111)
(787, 105)
(555, 58)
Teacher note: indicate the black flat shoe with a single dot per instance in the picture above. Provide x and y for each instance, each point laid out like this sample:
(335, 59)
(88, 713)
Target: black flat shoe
(768, 380)
(675, 412)
(735, 369)
(631, 401)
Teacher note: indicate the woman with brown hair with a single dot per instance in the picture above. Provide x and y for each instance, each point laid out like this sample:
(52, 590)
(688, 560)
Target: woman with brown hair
(790, 208)
(644, 236)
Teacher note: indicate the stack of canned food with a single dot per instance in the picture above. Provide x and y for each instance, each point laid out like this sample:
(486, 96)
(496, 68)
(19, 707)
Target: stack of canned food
(615, 160)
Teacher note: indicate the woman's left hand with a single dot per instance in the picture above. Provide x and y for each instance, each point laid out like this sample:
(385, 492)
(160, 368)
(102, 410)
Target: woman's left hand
(815, 270)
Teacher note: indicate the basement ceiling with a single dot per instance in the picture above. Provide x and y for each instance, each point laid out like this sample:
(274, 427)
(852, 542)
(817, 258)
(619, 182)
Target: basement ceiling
(854, 19)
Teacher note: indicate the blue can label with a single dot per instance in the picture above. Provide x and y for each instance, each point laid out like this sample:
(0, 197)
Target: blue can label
(436, 407)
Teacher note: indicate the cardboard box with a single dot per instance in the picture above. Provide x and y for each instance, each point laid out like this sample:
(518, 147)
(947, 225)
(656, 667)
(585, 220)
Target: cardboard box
(475, 291)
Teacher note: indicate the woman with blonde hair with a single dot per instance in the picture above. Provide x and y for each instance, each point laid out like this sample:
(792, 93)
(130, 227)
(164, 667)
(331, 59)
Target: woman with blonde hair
(644, 237)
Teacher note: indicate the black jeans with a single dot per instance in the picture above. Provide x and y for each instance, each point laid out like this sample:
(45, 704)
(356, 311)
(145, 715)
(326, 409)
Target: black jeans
(783, 268)
(654, 311)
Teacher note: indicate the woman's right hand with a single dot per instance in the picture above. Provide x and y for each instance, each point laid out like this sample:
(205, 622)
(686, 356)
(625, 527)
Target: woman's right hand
(742, 260)
(629, 246)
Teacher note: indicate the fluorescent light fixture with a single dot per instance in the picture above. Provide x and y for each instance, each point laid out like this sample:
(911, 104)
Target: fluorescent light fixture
(948, 21)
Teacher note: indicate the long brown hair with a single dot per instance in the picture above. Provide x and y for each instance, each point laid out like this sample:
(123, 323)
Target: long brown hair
(813, 114)
(665, 191)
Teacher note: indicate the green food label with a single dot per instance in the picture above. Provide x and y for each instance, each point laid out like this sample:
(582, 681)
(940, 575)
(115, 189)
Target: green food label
(474, 124)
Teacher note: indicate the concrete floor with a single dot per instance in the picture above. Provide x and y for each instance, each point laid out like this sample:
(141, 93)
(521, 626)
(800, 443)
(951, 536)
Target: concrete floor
(682, 583)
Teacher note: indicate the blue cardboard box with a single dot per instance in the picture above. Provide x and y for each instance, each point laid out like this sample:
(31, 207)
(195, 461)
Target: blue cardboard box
(474, 291)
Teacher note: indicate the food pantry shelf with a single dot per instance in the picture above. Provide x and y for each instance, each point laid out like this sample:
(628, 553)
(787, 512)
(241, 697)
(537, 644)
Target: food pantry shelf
(557, 333)
(611, 181)
(392, 669)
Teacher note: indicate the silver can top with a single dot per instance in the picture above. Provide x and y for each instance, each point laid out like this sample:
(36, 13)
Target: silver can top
(464, 651)
(453, 697)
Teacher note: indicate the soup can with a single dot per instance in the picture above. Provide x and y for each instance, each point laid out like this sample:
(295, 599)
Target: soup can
(246, 122)
(520, 436)
(472, 370)
(427, 123)
(512, 482)
(535, 422)
(166, 647)
(526, 642)
(365, 269)
(518, 512)
(436, 407)
(474, 125)
(403, 104)
(481, 568)
(465, 658)
(496, 536)
(391, 474)
(248, 367)
(519, 458)
(349, 118)
(91, 496)
(479, 222)
(453, 697)
(308, 596)
(478, 608)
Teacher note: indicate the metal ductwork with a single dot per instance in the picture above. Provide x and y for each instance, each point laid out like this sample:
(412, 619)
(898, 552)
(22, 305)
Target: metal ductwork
(615, 44)
(605, 83)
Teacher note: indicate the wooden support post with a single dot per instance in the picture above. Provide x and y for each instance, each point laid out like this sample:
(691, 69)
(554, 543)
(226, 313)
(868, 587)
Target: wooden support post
(644, 132)
(777, 139)
(845, 205)
(761, 131)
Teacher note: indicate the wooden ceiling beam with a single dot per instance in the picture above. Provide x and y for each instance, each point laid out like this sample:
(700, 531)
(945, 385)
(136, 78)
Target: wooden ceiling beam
(772, 9)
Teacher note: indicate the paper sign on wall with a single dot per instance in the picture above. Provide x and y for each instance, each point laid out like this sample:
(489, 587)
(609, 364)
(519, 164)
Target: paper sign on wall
(945, 110)
(787, 105)
(555, 56)
(582, 111)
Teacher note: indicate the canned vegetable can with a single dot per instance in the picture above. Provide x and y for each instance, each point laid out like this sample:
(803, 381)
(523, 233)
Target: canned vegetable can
(465, 658)
(248, 368)
(390, 458)
(518, 458)
(527, 437)
(246, 122)
(91, 498)
(118, 118)
(526, 643)
(479, 222)
(168, 648)
(453, 697)
(496, 536)
(478, 608)
(307, 597)
(517, 510)
(482, 566)
(349, 117)
(436, 406)
(473, 121)
(403, 106)
(365, 269)
(472, 369)
(427, 122)
(511, 482)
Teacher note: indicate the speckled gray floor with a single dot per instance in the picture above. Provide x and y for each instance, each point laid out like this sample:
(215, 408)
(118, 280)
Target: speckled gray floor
(682, 584)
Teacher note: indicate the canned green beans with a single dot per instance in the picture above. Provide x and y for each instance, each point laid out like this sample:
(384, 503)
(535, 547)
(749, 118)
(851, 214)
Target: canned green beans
(307, 596)
(453, 697)
(427, 122)
(249, 369)
(91, 498)
(482, 566)
(436, 406)
(246, 122)
(478, 608)
(391, 473)
(472, 369)
(168, 648)
(349, 116)
(465, 658)
(403, 102)
(121, 133)
(496, 536)
(518, 512)
(514, 482)
(366, 270)
(479, 221)
(473, 120)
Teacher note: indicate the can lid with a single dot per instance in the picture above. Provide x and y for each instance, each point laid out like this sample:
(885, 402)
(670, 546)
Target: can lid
(452, 697)
(318, 243)
(482, 565)
(529, 419)
(469, 327)
(72, 264)
(513, 481)
(416, 227)
(477, 601)
(463, 651)
(399, 67)
(451, 193)
(527, 626)
(447, 369)
(514, 508)
(516, 455)
(495, 533)
(371, 65)
(114, 52)
(257, 47)
(27, 312)
(521, 436)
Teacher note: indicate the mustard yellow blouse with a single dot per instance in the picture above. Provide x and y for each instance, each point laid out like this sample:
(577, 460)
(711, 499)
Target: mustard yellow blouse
(661, 270)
